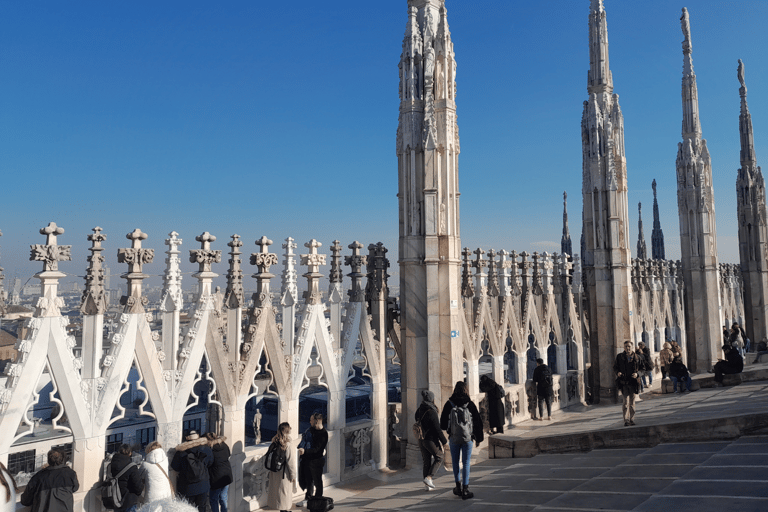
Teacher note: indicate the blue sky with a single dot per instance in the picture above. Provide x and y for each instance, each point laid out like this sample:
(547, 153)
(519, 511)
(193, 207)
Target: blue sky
(279, 118)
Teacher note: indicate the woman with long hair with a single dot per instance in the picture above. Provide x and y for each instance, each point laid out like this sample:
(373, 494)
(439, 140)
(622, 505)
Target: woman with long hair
(7, 484)
(281, 483)
(462, 420)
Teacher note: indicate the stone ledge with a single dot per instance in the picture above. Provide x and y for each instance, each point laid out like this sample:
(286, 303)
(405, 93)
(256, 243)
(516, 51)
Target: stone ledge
(707, 380)
(630, 437)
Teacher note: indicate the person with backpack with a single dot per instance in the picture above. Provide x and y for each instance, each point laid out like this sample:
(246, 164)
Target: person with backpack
(157, 482)
(129, 479)
(192, 460)
(52, 488)
(312, 458)
(542, 377)
(461, 419)
(430, 437)
(280, 461)
(494, 393)
(220, 472)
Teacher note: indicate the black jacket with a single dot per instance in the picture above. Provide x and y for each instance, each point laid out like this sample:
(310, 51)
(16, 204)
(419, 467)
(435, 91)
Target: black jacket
(678, 370)
(477, 422)
(186, 484)
(627, 365)
(430, 424)
(734, 361)
(131, 482)
(317, 447)
(495, 394)
(220, 471)
(543, 388)
(51, 490)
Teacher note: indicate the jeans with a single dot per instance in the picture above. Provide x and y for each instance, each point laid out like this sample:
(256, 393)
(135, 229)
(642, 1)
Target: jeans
(545, 400)
(649, 374)
(687, 381)
(463, 451)
(218, 498)
(432, 455)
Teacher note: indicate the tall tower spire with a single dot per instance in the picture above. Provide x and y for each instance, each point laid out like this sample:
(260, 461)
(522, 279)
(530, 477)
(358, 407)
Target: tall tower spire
(657, 235)
(565, 242)
(606, 251)
(428, 194)
(698, 233)
(642, 251)
(753, 225)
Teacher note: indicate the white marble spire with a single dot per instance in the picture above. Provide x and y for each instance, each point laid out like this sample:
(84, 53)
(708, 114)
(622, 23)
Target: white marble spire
(691, 122)
(642, 250)
(600, 78)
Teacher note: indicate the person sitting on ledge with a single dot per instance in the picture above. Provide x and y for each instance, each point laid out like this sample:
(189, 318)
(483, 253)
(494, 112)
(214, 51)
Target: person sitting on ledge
(678, 372)
(732, 364)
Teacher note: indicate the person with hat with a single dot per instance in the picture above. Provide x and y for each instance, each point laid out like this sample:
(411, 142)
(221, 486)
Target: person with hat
(432, 442)
(192, 460)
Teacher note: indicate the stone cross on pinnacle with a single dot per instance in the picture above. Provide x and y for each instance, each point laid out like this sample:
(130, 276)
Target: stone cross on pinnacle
(51, 253)
(313, 261)
(135, 256)
(263, 260)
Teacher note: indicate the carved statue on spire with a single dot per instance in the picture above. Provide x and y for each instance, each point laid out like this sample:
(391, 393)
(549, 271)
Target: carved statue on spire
(686, 24)
(740, 73)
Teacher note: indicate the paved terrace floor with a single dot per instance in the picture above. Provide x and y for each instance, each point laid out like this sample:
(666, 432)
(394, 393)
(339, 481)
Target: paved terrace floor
(716, 475)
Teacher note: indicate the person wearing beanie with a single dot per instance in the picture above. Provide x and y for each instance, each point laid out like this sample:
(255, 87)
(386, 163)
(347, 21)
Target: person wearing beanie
(433, 442)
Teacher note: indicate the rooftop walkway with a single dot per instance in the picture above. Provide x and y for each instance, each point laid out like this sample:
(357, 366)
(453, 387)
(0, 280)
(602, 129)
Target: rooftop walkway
(700, 451)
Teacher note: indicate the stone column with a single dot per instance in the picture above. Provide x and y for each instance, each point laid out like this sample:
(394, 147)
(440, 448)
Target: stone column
(335, 291)
(172, 302)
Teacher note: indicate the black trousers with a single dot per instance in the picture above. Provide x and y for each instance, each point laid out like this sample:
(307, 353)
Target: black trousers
(313, 474)
(724, 368)
(432, 456)
(200, 501)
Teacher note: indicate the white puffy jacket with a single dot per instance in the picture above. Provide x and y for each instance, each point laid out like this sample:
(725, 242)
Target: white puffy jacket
(157, 486)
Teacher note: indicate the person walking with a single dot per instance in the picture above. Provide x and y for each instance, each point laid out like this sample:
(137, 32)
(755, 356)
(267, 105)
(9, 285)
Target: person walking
(461, 419)
(678, 372)
(280, 492)
(52, 488)
(312, 457)
(433, 441)
(220, 472)
(627, 367)
(7, 483)
(192, 460)
(157, 482)
(494, 393)
(665, 359)
(131, 481)
(542, 377)
(732, 364)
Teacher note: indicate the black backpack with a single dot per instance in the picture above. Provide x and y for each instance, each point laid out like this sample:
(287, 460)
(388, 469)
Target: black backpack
(111, 497)
(197, 470)
(547, 375)
(274, 460)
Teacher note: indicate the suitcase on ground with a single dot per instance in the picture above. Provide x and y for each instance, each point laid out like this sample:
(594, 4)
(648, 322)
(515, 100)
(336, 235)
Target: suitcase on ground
(320, 504)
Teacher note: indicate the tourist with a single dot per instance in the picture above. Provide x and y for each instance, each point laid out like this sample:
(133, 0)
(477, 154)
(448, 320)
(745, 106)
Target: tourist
(131, 482)
(157, 482)
(646, 364)
(665, 359)
(280, 494)
(678, 372)
(8, 501)
(542, 377)
(463, 423)
(494, 393)
(732, 364)
(627, 367)
(192, 460)
(736, 340)
(52, 488)
(726, 335)
(312, 457)
(220, 472)
(433, 441)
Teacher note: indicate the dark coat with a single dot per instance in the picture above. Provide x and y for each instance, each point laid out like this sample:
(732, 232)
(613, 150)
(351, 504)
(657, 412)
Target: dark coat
(477, 421)
(678, 370)
(51, 490)
(627, 365)
(220, 471)
(734, 362)
(430, 424)
(495, 395)
(313, 441)
(131, 482)
(543, 389)
(186, 484)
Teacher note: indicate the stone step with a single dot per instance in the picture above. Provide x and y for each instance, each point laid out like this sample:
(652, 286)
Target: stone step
(751, 373)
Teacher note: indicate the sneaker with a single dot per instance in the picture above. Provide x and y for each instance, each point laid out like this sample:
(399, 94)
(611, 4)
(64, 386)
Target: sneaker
(301, 504)
(549, 418)
(631, 423)
(428, 482)
(638, 399)
(428, 488)
(626, 423)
